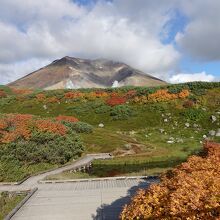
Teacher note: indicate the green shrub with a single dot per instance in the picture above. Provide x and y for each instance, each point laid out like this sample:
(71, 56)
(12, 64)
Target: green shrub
(57, 93)
(79, 109)
(194, 114)
(199, 92)
(103, 109)
(43, 147)
(121, 112)
(80, 127)
(175, 89)
(95, 104)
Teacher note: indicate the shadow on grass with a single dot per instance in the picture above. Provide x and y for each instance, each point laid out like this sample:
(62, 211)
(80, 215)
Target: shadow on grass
(113, 210)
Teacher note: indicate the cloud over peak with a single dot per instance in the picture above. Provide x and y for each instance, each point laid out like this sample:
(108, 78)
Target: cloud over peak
(46, 29)
(37, 32)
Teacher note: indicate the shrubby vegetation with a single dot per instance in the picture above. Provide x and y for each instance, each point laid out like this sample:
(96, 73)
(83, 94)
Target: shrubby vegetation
(80, 127)
(189, 191)
(121, 112)
(194, 114)
(28, 140)
(102, 109)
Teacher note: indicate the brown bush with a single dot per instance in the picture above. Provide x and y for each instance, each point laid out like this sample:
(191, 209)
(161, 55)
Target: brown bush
(188, 104)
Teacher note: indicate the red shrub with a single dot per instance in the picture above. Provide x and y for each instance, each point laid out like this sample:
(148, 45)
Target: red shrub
(113, 101)
(130, 94)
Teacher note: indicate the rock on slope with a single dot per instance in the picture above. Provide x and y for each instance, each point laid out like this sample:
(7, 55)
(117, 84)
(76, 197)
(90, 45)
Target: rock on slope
(70, 72)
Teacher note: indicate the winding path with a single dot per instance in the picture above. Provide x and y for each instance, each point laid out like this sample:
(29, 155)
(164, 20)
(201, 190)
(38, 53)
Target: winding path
(33, 182)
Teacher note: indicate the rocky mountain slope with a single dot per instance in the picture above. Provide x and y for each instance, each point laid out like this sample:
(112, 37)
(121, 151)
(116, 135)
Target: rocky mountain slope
(70, 72)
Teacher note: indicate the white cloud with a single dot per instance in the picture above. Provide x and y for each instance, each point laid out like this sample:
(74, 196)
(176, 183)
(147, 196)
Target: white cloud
(200, 38)
(190, 77)
(10, 72)
(46, 30)
(130, 32)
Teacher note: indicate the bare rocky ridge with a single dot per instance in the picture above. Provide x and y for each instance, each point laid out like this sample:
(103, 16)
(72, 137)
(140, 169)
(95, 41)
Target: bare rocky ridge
(74, 73)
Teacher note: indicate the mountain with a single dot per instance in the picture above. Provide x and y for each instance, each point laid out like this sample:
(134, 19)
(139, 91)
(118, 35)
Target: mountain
(72, 73)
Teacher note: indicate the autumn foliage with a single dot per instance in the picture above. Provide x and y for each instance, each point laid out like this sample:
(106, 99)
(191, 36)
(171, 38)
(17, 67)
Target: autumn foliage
(21, 91)
(40, 97)
(26, 140)
(162, 95)
(2, 94)
(190, 191)
(14, 126)
(116, 100)
(67, 118)
(72, 95)
(51, 126)
(53, 99)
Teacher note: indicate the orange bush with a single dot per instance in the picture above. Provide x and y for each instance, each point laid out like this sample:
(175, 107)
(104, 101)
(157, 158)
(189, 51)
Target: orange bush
(3, 124)
(53, 99)
(67, 118)
(50, 126)
(21, 91)
(115, 100)
(19, 124)
(72, 95)
(161, 95)
(40, 97)
(190, 191)
(98, 94)
(183, 94)
(3, 94)
(14, 126)
(18, 132)
(95, 94)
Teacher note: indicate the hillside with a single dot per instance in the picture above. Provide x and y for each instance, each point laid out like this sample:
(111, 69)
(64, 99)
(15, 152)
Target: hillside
(148, 129)
(74, 73)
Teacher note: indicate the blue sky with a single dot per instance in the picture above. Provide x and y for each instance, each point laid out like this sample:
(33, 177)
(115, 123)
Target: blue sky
(175, 40)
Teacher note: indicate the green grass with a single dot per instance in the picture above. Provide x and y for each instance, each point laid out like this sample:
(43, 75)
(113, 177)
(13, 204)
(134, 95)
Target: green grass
(13, 172)
(70, 175)
(8, 201)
